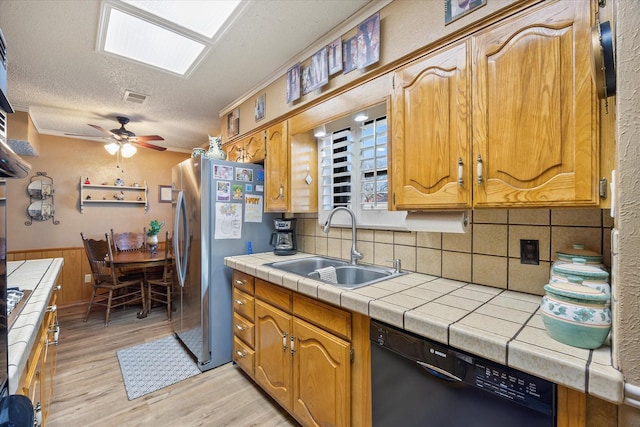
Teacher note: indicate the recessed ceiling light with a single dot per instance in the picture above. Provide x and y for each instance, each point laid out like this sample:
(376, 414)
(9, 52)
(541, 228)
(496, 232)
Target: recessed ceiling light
(320, 131)
(361, 117)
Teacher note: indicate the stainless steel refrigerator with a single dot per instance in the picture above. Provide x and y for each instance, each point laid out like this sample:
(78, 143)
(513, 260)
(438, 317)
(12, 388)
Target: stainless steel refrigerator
(217, 212)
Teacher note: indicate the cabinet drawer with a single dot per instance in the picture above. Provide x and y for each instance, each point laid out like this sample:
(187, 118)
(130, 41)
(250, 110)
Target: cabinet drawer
(243, 356)
(243, 329)
(330, 318)
(274, 295)
(243, 304)
(243, 281)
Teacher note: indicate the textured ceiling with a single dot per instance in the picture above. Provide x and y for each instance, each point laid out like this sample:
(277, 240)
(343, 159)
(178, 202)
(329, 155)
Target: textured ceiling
(56, 74)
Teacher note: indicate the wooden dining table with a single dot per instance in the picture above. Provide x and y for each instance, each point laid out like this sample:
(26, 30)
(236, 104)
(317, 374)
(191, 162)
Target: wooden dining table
(141, 260)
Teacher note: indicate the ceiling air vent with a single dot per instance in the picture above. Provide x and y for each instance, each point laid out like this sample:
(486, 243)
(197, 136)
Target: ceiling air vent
(136, 98)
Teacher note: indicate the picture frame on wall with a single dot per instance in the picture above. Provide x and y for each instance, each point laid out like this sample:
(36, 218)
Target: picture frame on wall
(293, 83)
(369, 41)
(319, 69)
(306, 78)
(260, 106)
(233, 123)
(454, 9)
(350, 54)
(334, 56)
(164, 194)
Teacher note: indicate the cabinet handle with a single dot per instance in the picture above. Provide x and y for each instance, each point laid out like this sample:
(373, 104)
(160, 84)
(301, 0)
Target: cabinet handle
(293, 349)
(480, 178)
(239, 282)
(52, 308)
(37, 415)
(241, 327)
(55, 329)
(57, 288)
(284, 342)
(240, 354)
(460, 171)
(239, 302)
(280, 193)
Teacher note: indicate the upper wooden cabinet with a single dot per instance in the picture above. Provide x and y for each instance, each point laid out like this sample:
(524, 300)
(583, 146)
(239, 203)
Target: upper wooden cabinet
(510, 122)
(290, 171)
(534, 110)
(276, 169)
(431, 154)
(250, 149)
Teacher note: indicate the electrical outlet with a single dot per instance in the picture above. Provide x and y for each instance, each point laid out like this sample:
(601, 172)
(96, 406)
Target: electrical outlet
(87, 278)
(529, 252)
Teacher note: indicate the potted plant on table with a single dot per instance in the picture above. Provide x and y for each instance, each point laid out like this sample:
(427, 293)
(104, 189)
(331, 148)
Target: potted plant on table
(152, 234)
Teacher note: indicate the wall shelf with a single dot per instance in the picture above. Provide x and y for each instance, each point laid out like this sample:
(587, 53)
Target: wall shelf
(41, 207)
(113, 195)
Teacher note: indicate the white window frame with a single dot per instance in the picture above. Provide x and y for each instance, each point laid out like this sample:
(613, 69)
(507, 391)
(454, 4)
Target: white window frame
(358, 144)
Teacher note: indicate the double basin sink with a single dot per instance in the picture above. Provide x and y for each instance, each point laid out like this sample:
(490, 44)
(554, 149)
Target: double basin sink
(336, 272)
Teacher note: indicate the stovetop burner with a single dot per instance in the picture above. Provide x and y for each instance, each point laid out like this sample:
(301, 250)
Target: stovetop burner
(14, 295)
(16, 300)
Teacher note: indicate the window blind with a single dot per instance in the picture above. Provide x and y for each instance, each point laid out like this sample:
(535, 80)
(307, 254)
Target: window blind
(374, 164)
(336, 169)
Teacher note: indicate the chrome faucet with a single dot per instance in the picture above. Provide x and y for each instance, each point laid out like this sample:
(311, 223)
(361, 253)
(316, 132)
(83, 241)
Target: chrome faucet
(355, 255)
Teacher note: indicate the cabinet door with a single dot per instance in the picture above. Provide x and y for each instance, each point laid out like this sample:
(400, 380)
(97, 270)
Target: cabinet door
(272, 352)
(247, 150)
(321, 375)
(533, 110)
(276, 192)
(431, 132)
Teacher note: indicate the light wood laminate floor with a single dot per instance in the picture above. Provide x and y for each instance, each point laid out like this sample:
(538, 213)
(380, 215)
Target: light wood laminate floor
(88, 387)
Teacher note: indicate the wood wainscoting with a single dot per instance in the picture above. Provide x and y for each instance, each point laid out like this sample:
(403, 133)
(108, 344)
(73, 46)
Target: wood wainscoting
(75, 290)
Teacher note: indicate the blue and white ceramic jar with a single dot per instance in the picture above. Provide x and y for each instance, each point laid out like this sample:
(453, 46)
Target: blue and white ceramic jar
(577, 250)
(578, 267)
(576, 315)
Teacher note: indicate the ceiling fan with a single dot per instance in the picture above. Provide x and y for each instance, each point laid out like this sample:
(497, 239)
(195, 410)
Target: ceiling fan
(125, 138)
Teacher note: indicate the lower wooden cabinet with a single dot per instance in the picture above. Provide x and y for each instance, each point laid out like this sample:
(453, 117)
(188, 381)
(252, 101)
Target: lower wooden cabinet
(321, 390)
(37, 380)
(243, 318)
(274, 359)
(301, 354)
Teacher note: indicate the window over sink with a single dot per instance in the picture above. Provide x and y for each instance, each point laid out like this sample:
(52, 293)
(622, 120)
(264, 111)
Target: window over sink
(353, 171)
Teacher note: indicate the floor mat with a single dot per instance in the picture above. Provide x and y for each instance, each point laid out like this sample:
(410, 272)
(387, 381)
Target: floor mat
(154, 365)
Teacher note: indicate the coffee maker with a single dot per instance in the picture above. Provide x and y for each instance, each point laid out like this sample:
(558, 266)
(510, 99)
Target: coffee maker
(284, 238)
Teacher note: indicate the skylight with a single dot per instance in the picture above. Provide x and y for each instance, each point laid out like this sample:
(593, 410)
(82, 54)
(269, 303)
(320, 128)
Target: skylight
(203, 17)
(170, 35)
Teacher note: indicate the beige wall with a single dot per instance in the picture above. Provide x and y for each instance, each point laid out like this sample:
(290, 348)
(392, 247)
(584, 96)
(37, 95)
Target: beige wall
(66, 160)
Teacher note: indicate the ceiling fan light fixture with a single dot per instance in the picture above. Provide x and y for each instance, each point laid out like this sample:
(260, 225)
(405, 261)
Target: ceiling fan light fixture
(112, 148)
(128, 150)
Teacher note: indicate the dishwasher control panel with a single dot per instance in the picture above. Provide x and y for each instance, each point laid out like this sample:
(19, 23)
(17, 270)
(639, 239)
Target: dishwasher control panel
(455, 366)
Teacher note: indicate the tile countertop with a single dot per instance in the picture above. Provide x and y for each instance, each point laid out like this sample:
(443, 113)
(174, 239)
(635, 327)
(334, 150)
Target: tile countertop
(500, 325)
(40, 276)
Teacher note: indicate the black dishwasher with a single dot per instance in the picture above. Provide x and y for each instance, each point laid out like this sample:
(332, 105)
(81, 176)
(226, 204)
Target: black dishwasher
(416, 382)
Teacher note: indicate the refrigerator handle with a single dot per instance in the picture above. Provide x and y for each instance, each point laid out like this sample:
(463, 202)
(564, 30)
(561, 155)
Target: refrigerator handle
(181, 259)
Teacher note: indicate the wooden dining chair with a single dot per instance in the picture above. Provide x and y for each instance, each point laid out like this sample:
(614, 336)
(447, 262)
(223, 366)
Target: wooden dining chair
(109, 289)
(160, 286)
(129, 241)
